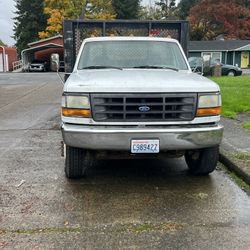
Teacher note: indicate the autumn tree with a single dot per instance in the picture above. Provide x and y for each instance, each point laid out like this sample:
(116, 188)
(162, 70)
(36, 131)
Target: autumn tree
(74, 9)
(56, 11)
(211, 18)
(126, 9)
(29, 20)
(245, 3)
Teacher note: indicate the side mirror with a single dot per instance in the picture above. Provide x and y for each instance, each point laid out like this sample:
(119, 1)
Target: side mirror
(55, 62)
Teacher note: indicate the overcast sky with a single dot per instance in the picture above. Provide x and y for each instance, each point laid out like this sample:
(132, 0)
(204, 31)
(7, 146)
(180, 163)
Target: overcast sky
(7, 9)
(6, 23)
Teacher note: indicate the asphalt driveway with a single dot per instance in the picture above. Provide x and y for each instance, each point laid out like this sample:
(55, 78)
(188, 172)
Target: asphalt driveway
(152, 204)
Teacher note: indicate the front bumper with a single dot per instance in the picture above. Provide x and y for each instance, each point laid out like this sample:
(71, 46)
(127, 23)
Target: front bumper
(239, 73)
(36, 69)
(119, 138)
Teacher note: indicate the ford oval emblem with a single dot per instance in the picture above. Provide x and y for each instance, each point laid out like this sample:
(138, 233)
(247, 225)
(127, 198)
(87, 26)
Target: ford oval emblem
(144, 108)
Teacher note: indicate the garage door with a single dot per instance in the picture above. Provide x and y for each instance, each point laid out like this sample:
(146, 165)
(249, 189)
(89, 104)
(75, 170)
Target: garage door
(1, 62)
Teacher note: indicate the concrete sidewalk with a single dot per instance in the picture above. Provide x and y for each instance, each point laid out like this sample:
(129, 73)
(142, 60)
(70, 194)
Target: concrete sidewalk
(235, 147)
(245, 71)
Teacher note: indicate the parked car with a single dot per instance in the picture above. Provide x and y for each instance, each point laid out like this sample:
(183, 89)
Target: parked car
(38, 66)
(226, 69)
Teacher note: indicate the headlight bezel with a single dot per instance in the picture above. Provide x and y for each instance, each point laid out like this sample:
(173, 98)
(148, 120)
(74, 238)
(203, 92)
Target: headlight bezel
(210, 100)
(210, 105)
(76, 101)
(76, 105)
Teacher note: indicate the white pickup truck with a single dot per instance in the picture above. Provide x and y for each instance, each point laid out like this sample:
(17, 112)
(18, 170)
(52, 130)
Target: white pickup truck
(137, 97)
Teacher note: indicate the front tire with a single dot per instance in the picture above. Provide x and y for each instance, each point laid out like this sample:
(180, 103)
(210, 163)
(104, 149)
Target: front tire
(202, 161)
(231, 73)
(77, 161)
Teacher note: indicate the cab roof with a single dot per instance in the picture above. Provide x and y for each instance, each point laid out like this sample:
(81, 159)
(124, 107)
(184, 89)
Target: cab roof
(129, 38)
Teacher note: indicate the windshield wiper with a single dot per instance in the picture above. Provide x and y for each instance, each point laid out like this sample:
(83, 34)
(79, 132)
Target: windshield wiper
(101, 67)
(154, 67)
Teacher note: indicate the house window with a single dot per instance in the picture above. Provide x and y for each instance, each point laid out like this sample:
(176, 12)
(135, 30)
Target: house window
(214, 56)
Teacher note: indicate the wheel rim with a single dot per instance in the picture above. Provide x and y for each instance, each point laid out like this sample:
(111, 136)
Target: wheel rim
(231, 73)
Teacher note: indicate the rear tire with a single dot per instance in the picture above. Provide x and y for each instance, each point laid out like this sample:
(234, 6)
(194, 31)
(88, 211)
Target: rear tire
(202, 161)
(77, 162)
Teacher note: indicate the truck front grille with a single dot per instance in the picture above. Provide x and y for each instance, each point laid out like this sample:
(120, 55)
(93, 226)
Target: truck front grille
(143, 107)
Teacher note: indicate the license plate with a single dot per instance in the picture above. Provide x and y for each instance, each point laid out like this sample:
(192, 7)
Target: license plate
(145, 146)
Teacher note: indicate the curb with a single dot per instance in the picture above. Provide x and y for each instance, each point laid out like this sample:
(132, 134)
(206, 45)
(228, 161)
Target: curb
(234, 167)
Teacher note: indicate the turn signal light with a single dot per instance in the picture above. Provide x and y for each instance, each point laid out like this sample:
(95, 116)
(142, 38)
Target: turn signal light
(83, 113)
(208, 111)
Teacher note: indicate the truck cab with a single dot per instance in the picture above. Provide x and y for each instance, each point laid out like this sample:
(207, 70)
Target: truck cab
(137, 97)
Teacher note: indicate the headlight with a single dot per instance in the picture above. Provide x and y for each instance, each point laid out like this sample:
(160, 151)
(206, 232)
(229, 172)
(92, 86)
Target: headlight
(76, 106)
(78, 102)
(208, 101)
(209, 105)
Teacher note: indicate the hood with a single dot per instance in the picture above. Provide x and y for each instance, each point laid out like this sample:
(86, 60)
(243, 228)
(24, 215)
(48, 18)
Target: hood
(231, 66)
(138, 80)
(37, 64)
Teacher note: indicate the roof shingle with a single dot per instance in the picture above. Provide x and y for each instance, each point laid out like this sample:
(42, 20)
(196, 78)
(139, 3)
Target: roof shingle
(224, 45)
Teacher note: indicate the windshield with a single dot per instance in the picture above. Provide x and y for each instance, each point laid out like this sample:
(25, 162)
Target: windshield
(195, 61)
(132, 54)
(38, 61)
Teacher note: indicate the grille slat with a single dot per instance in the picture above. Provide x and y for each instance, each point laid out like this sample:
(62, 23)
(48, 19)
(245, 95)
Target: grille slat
(128, 107)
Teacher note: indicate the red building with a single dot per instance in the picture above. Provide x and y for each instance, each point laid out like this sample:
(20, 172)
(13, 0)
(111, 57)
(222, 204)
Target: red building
(7, 57)
(42, 50)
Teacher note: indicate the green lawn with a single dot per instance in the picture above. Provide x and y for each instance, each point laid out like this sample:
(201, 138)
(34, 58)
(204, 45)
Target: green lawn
(246, 125)
(235, 93)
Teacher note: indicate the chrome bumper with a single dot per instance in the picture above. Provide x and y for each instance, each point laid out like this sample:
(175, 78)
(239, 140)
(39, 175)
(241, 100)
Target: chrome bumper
(117, 138)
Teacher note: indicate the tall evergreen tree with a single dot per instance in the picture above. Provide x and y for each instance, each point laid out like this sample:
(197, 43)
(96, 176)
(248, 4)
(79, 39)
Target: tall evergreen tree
(184, 8)
(29, 20)
(126, 9)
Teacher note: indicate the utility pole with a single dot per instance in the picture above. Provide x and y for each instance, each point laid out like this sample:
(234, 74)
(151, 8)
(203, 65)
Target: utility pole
(150, 8)
(84, 8)
(166, 8)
